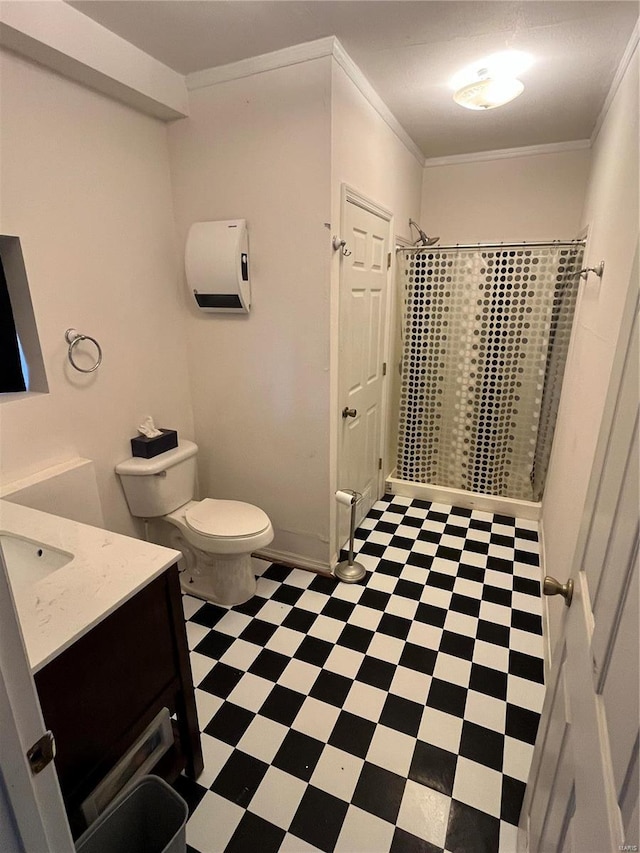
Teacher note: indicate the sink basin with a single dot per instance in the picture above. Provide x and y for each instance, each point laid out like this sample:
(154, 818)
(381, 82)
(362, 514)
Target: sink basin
(29, 561)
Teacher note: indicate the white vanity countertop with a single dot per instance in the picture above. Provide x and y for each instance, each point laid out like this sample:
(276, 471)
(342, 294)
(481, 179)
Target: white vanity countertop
(107, 570)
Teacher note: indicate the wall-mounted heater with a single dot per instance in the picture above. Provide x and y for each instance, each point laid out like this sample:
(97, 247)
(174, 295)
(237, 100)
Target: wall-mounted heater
(217, 266)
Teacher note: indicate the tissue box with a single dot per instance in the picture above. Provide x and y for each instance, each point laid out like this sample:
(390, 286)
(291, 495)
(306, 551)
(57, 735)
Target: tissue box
(150, 447)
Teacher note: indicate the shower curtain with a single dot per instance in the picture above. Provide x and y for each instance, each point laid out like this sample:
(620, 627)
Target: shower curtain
(485, 341)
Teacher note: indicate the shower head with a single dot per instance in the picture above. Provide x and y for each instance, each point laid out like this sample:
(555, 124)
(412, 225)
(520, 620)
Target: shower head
(422, 240)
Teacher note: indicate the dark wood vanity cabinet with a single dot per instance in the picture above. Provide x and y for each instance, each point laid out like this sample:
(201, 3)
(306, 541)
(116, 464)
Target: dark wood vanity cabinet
(99, 695)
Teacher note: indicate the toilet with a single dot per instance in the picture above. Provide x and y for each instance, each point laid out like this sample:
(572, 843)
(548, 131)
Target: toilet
(216, 537)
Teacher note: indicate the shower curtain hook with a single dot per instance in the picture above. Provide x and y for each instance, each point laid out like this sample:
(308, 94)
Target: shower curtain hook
(338, 244)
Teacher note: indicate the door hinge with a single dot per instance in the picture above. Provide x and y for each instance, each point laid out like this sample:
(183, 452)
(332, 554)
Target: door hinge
(388, 260)
(42, 753)
(384, 368)
(380, 464)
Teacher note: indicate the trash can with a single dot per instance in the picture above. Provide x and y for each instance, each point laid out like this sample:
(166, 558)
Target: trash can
(149, 818)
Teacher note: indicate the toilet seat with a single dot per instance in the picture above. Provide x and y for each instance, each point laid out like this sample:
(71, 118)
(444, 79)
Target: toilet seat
(221, 527)
(219, 519)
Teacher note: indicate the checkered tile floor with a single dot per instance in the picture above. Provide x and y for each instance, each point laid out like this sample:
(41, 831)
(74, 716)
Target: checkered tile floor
(398, 714)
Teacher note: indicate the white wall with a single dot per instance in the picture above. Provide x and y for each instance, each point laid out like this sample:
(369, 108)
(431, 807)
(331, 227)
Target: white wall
(611, 214)
(259, 148)
(85, 185)
(62, 38)
(532, 197)
(368, 156)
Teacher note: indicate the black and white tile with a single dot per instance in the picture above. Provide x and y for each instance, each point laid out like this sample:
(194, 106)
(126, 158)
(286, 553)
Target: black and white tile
(398, 714)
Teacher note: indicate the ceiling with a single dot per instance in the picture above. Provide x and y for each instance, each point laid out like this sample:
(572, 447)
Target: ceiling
(408, 50)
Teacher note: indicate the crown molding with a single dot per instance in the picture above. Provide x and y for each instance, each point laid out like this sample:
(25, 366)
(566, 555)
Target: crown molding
(366, 89)
(627, 56)
(257, 64)
(508, 153)
(317, 49)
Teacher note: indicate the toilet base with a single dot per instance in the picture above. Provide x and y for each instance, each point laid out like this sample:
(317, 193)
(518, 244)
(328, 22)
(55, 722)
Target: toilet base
(225, 580)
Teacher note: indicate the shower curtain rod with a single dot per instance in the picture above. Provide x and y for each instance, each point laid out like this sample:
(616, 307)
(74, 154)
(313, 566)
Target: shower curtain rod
(533, 245)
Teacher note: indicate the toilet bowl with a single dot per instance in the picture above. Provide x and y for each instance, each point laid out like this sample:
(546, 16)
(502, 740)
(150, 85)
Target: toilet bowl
(216, 537)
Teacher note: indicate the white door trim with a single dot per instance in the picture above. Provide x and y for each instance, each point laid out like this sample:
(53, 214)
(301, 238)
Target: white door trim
(354, 196)
(36, 801)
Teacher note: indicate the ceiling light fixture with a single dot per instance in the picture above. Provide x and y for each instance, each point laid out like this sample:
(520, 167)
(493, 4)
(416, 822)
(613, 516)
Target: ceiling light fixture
(488, 92)
(491, 82)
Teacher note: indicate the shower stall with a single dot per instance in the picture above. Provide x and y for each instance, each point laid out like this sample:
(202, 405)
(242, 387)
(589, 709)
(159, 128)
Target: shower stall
(484, 339)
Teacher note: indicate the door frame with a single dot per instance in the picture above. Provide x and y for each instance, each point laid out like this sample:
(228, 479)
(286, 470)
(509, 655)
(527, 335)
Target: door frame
(350, 195)
(36, 801)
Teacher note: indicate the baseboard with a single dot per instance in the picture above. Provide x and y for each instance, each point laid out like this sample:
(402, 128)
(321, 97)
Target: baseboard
(295, 561)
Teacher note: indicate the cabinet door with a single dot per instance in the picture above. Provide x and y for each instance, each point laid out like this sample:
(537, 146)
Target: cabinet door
(98, 695)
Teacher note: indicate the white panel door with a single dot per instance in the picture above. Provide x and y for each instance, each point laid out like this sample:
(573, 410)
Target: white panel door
(582, 793)
(363, 298)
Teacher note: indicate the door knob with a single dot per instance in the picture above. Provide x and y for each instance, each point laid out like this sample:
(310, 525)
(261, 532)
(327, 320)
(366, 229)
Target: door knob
(553, 587)
(349, 413)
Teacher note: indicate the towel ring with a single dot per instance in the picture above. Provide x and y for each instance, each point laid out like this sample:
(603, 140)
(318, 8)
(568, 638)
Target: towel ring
(73, 338)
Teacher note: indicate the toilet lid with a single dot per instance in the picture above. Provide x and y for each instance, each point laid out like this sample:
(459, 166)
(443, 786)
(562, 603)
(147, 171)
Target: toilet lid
(226, 519)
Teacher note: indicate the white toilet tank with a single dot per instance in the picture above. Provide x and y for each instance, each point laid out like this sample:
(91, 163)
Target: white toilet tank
(155, 487)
